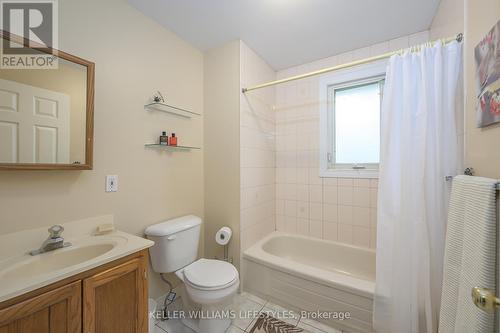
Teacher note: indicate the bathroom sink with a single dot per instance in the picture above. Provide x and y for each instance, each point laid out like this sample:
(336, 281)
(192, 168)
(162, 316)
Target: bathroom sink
(21, 272)
(55, 260)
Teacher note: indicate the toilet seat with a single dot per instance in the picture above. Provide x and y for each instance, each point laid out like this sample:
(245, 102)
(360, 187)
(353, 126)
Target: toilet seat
(209, 281)
(210, 274)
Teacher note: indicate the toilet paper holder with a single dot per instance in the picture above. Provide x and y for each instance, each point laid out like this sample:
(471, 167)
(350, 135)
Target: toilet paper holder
(222, 237)
(226, 254)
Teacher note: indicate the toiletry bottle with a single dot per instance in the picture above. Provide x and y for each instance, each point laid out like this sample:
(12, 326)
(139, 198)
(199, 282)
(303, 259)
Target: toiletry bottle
(173, 140)
(164, 138)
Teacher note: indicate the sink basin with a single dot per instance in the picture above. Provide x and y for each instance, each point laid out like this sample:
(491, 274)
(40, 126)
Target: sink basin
(55, 260)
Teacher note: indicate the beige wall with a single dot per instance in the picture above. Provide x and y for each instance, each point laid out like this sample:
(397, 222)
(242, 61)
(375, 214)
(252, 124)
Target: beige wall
(481, 145)
(70, 79)
(449, 19)
(338, 209)
(258, 155)
(222, 147)
(134, 57)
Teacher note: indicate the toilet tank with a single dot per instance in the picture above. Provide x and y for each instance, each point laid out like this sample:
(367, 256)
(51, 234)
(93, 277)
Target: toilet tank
(176, 243)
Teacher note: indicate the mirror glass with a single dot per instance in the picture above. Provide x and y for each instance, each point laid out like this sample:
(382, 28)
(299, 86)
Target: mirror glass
(43, 114)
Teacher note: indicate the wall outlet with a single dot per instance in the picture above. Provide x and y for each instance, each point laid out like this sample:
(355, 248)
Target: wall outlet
(111, 183)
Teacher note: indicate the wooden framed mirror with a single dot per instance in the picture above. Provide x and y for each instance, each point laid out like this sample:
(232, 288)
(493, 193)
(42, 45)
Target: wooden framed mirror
(47, 110)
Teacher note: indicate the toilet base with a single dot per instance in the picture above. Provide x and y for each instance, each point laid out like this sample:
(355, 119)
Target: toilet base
(207, 325)
(204, 325)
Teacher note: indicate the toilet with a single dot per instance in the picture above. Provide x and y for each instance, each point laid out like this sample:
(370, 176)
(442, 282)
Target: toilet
(208, 284)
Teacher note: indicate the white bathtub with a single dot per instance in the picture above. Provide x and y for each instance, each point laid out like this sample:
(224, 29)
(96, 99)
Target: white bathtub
(312, 275)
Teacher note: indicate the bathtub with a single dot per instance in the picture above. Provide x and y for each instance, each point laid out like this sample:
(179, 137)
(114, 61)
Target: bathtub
(309, 274)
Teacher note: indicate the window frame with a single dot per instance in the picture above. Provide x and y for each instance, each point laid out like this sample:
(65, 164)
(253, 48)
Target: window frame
(355, 76)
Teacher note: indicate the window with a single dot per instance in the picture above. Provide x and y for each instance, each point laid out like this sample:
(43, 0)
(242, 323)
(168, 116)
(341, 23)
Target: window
(350, 122)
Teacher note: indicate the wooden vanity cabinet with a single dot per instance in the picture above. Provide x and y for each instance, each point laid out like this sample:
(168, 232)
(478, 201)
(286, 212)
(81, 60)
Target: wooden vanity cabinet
(109, 298)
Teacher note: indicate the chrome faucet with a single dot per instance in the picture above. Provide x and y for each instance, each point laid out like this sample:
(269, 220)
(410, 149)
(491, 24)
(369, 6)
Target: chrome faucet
(54, 242)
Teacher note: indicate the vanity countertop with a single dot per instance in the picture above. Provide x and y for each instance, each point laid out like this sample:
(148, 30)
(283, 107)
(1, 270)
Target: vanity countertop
(21, 273)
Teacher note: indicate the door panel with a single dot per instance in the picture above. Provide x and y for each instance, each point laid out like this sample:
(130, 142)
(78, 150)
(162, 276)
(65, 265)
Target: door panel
(116, 300)
(8, 100)
(56, 311)
(8, 142)
(45, 145)
(37, 322)
(46, 107)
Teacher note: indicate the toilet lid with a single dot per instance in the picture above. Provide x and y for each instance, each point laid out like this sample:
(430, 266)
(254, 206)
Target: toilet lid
(210, 273)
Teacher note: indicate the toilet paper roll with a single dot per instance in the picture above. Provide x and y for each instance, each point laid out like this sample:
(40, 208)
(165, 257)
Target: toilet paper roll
(223, 236)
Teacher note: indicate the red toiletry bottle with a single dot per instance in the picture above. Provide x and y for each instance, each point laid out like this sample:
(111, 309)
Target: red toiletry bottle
(173, 140)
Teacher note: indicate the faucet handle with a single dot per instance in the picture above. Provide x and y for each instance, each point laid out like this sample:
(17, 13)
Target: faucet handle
(55, 231)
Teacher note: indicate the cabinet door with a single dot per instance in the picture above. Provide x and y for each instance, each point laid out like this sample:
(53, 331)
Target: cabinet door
(116, 300)
(56, 311)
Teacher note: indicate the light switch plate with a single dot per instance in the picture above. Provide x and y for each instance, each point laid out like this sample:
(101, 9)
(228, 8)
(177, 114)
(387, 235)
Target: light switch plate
(111, 183)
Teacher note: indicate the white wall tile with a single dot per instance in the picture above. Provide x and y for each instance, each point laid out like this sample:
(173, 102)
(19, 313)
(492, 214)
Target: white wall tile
(290, 175)
(373, 217)
(373, 197)
(361, 196)
(314, 176)
(280, 223)
(330, 213)
(290, 191)
(330, 194)
(291, 224)
(361, 236)
(348, 182)
(303, 226)
(330, 181)
(291, 208)
(330, 231)
(345, 195)
(303, 159)
(345, 233)
(303, 209)
(315, 193)
(361, 182)
(361, 216)
(302, 176)
(345, 214)
(253, 196)
(373, 238)
(316, 211)
(316, 228)
(280, 207)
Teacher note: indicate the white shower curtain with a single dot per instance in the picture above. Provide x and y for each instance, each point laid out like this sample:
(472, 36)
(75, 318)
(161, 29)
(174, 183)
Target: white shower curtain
(421, 143)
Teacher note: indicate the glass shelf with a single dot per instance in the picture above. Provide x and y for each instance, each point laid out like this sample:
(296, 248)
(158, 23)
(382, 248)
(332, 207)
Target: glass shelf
(170, 109)
(156, 145)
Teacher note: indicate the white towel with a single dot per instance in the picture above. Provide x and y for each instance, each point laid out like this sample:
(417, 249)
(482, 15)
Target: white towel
(470, 255)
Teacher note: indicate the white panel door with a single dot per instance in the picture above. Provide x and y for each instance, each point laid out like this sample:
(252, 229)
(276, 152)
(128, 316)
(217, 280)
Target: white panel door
(34, 124)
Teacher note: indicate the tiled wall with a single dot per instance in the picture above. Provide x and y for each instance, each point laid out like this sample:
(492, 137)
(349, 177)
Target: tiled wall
(340, 209)
(257, 142)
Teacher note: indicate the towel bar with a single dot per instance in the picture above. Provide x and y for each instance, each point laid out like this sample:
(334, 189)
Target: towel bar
(450, 178)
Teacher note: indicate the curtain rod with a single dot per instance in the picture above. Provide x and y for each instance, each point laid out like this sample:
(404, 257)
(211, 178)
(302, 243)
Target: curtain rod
(457, 38)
